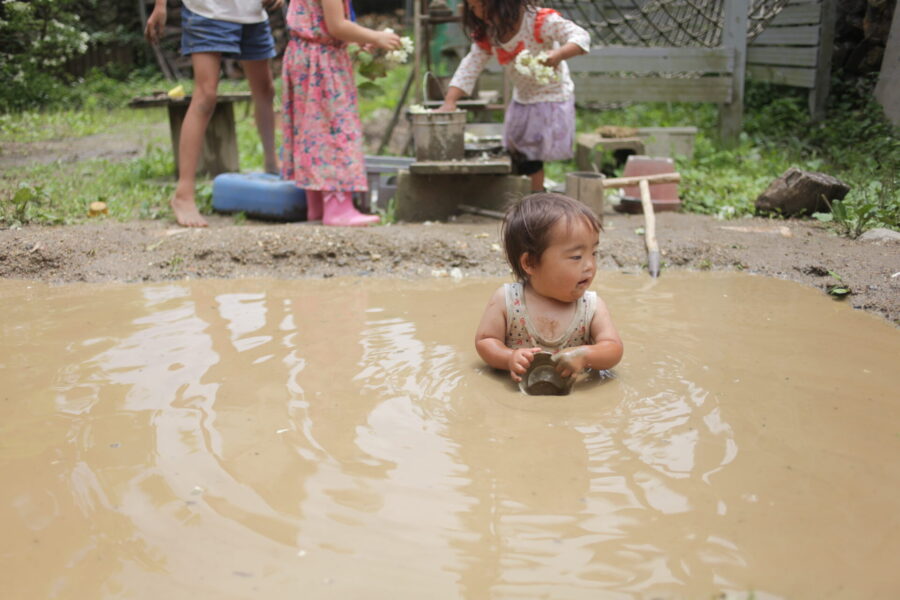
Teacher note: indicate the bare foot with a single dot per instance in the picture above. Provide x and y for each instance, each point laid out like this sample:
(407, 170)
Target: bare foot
(186, 212)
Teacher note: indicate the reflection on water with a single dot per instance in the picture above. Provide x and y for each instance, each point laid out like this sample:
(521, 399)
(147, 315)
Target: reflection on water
(342, 439)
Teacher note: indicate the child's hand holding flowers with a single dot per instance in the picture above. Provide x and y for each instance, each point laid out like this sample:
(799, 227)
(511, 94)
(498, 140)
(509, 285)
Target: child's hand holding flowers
(372, 63)
(541, 68)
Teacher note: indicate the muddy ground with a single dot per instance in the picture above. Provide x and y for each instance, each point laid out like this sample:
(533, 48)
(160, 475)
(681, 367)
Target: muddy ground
(108, 251)
(104, 251)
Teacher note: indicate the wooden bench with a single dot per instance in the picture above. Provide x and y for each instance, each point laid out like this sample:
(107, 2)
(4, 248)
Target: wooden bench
(220, 149)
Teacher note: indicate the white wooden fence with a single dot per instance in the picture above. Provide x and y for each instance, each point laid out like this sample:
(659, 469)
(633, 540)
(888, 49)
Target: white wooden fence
(688, 74)
(795, 49)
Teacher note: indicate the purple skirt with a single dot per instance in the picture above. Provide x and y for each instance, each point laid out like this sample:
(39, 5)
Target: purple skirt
(540, 131)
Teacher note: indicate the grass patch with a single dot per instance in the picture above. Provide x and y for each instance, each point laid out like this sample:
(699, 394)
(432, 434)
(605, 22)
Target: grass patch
(854, 143)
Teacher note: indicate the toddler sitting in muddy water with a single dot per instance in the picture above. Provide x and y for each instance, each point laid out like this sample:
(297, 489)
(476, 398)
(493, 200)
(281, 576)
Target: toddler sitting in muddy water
(550, 242)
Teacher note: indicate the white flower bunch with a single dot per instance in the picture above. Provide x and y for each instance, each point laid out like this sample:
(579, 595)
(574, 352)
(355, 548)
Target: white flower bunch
(418, 109)
(533, 66)
(401, 54)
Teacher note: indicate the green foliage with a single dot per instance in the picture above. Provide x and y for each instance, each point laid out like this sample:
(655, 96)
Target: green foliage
(855, 143)
(838, 290)
(389, 213)
(38, 38)
(30, 203)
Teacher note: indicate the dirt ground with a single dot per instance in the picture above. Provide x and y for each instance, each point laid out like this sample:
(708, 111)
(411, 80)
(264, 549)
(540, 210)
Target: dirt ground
(106, 251)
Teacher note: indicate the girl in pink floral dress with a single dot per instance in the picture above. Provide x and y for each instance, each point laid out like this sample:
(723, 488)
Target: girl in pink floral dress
(323, 150)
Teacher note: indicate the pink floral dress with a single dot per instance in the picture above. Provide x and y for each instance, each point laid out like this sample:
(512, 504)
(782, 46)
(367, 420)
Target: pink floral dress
(323, 141)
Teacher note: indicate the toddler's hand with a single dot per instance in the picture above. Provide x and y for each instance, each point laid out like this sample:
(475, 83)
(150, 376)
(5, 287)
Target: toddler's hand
(570, 361)
(552, 59)
(446, 107)
(387, 40)
(519, 361)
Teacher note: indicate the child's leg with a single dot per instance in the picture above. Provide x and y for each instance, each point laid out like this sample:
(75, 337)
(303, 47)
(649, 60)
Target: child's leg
(313, 205)
(339, 211)
(263, 90)
(190, 145)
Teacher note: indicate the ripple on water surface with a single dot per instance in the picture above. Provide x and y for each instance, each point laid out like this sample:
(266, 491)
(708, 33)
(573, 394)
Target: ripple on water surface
(342, 439)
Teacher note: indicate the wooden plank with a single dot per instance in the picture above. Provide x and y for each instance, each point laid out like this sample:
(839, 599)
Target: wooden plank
(598, 88)
(804, 35)
(887, 90)
(613, 59)
(798, 14)
(734, 36)
(162, 99)
(788, 56)
(823, 62)
(794, 76)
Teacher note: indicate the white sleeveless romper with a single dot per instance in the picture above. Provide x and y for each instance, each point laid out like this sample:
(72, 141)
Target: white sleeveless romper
(520, 333)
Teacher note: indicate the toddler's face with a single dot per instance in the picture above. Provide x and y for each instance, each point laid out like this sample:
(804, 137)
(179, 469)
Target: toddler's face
(568, 265)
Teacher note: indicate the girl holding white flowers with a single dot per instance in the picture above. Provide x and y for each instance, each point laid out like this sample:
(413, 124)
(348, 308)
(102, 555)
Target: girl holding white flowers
(532, 44)
(323, 145)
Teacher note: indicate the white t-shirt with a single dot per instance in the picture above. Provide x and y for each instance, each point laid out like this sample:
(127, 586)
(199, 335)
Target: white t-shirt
(234, 11)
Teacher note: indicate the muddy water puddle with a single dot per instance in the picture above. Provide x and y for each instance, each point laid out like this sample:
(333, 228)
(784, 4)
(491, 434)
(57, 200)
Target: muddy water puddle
(341, 439)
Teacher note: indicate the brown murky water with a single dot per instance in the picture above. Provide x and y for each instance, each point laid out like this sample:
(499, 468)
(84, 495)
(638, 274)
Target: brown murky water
(340, 439)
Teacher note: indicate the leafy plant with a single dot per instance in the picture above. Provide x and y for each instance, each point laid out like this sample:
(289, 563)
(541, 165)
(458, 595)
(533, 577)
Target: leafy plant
(28, 204)
(388, 214)
(851, 219)
(840, 289)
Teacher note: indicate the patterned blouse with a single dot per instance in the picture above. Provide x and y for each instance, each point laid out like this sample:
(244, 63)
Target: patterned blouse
(542, 29)
(521, 333)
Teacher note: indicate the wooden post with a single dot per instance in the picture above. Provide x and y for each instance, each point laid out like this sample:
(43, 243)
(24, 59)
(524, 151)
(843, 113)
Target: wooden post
(887, 91)
(587, 188)
(649, 229)
(734, 37)
(819, 93)
(419, 49)
(220, 149)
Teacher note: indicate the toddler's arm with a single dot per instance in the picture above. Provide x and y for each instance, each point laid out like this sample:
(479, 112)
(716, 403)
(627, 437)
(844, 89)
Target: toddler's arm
(346, 30)
(490, 340)
(604, 353)
(463, 81)
(573, 40)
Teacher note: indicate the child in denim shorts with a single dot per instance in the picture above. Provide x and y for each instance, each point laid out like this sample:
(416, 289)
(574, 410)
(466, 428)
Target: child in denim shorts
(212, 29)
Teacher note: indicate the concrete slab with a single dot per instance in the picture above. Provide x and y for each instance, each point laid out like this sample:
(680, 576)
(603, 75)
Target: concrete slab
(433, 197)
(500, 165)
(668, 141)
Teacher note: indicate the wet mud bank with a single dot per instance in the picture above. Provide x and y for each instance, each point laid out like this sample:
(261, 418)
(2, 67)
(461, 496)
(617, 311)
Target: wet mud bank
(157, 251)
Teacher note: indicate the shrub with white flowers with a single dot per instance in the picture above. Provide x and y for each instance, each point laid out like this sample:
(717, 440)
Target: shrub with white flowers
(38, 38)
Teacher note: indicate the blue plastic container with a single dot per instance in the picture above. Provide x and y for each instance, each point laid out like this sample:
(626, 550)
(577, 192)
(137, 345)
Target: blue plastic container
(259, 195)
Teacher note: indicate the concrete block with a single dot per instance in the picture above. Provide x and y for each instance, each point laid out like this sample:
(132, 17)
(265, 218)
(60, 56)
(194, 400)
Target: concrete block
(435, 197)
(668, 141)
(588, 145)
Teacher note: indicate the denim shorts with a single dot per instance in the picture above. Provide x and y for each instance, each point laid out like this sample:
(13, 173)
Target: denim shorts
(243, 41)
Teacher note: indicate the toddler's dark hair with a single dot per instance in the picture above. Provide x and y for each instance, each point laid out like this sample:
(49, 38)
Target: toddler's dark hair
(500, 18)
(526, 226)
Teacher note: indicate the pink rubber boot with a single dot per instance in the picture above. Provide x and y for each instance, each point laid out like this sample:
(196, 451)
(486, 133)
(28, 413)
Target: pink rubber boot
(313, 205)
(340, 212)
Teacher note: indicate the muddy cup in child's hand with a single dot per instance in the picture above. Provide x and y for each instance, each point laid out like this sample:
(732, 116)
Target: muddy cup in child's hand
(542, 378)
